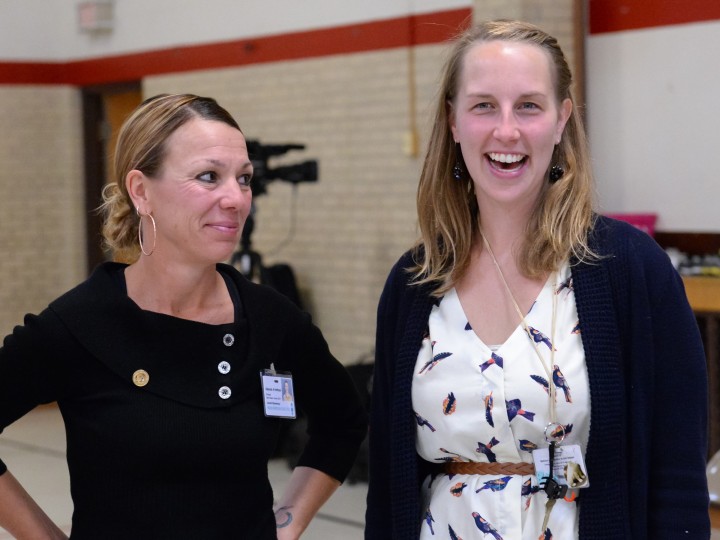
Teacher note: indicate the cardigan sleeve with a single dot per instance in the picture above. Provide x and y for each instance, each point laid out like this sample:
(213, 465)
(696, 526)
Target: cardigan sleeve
(648, 437)
(396, 469)
(675, 400)
(378, 520)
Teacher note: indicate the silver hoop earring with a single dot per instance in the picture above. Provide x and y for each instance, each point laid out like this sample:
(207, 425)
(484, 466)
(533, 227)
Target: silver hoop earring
(140, 233)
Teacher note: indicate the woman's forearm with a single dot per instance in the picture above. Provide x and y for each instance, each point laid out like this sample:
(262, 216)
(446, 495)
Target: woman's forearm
(21, 516)
(306, 492)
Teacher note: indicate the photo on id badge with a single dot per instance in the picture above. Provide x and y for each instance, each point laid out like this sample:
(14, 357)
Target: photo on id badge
(278, 395)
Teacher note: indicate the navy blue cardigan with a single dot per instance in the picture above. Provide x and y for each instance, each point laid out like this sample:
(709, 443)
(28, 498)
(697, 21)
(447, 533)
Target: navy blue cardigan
(648, 385)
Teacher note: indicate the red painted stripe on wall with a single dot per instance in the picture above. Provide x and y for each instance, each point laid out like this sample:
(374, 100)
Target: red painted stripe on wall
(618, 15)
(32, 73)
(377, 35)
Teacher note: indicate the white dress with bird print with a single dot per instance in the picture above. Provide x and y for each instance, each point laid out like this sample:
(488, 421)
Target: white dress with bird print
(477, 403)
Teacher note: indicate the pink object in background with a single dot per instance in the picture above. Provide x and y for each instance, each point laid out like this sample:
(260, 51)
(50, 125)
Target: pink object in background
(644, 222)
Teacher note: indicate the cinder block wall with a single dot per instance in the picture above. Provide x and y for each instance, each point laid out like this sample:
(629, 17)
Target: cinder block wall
(354, 113)
(42, 239)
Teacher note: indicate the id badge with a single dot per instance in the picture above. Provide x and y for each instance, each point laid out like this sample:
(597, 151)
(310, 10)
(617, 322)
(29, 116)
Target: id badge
(278, 394)
(568, 466)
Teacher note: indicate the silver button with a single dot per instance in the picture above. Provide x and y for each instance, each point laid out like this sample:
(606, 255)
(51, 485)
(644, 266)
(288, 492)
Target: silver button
(228, 340)
(224, 367)
(224, 392)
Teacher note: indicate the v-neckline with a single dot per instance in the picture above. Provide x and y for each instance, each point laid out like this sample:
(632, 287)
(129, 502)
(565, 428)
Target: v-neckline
(517, 330)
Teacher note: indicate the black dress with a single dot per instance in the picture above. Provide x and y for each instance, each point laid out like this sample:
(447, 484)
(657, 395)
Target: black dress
(166, 432)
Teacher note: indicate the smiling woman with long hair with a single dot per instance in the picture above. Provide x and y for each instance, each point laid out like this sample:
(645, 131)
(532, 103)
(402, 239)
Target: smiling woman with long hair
(533, 359)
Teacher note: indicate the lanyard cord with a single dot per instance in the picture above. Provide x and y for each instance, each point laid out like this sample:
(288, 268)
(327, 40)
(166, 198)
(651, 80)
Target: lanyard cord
(548, 371)
(550, 487)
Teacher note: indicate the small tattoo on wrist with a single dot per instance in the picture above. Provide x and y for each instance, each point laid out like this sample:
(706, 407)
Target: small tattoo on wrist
(287, 518)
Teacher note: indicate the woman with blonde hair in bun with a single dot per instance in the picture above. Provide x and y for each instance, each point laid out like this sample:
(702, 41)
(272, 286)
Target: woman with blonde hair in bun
(168, 370)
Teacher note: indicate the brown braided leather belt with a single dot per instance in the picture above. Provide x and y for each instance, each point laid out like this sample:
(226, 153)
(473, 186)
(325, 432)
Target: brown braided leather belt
(472, 467)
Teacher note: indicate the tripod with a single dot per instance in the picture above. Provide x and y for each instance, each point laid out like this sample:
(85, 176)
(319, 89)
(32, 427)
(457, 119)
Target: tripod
(249, 263)
(246, 260)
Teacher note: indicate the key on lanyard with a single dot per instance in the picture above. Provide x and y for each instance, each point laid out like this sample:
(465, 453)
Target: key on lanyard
(552, 488)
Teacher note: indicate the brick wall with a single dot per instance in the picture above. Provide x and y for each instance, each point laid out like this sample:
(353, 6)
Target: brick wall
(41, 198)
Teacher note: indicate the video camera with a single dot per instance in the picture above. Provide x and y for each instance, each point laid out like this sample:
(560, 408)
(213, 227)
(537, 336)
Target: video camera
(259, 154)
(245, 259)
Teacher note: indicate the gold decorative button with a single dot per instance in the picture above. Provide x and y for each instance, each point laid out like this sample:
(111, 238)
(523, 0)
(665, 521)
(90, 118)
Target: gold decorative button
(141, 377)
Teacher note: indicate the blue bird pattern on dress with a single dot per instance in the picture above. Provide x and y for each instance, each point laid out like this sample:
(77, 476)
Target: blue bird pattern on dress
(566, 286)
(538, 337)
(449, 402)
(485, 449)
(527, 446)
(429, 520)
(422, 422)
(542, 381)
(497, 484)
(434, 362)
(452, 456)
(494, 360)
(452, 534)
(457, 489)
(560, 382)
(514, 408)
(485, 527)
(547, 535)
(488, 400)
(527, 491)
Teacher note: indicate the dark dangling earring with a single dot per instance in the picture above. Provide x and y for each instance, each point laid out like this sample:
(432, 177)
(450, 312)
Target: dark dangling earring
(556, 173)
(457, 171)
(457, 168)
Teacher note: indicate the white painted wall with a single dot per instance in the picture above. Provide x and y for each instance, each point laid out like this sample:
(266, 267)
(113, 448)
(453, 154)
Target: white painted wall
(41, 30)
(654, 123)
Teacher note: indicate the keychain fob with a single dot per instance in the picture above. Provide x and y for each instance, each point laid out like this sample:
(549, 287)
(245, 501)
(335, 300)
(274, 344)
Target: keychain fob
(551, 487)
